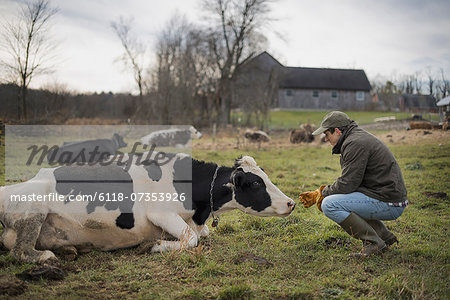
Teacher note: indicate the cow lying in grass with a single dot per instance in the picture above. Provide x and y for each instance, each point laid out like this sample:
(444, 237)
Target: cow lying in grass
(33, 229)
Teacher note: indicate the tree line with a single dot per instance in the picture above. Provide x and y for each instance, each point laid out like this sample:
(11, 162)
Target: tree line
(55, 104)
(195, 69)
(434, 83)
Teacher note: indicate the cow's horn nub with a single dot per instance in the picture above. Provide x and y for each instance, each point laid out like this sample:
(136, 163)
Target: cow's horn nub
(246, 160)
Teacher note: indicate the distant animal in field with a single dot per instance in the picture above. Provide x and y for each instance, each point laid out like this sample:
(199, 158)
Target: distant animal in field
(87, 151)
(302, 135)
(420, 125)
(173, 137)
(257, 136)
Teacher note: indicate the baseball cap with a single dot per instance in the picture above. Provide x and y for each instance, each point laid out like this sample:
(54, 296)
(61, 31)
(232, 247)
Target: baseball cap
(333, 120)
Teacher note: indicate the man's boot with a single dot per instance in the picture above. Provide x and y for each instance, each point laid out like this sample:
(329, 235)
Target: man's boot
(388, 237)
(358, 228)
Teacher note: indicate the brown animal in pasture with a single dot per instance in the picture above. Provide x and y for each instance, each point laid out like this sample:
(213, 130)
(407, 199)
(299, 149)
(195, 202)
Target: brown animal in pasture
(308, 127)
(445, 125)
(304, 134)
(420, 125)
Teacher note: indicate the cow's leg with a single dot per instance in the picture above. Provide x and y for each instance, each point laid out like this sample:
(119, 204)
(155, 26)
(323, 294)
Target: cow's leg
(8, 238)
(27, 231)
(200, 230)
(177, 227)
(204, 231)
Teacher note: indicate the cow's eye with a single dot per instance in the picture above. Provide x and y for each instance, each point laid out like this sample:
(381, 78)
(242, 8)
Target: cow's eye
(256, 183)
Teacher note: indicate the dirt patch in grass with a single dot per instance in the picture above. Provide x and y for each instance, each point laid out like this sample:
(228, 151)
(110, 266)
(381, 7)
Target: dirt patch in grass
(415, 137)
(250, 257)
(12, 286)
(44, 272)
(439, 195)
(333, 242)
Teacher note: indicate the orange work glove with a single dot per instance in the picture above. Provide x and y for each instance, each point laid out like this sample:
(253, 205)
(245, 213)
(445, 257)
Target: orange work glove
(310, 198)
(319, 202)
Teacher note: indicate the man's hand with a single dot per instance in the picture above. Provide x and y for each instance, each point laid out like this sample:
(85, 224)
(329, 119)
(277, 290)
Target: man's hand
(310, 198)
(319, 202)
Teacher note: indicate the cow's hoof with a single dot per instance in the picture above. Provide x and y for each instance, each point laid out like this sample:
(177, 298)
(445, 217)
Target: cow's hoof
(145, 247)
(157, 248)
(47, 257)
(34, 256)
(68, 253)
(205, 231)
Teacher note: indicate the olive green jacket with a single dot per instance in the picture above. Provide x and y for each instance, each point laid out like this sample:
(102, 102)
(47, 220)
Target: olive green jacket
(368, 166)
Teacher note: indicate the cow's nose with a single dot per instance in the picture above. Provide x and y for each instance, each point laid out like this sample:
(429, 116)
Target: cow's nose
(291, 204)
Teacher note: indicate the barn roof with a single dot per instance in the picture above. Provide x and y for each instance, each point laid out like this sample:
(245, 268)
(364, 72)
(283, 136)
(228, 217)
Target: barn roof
(266, 58)
(319, 78)
(444, 101)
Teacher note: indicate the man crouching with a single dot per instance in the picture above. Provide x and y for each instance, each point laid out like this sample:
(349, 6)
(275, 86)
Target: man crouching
(370, 189)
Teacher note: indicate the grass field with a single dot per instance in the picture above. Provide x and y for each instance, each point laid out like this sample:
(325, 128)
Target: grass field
(292, 119)
(303, 256)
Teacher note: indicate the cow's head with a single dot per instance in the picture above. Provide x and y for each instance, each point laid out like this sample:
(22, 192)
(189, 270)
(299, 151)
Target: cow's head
(119, 140)
(255, 193)
(195, 134)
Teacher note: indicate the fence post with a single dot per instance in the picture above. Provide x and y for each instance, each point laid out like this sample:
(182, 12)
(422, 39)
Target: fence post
(214, 133)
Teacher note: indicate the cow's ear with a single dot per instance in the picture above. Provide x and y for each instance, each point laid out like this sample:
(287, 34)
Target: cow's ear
(238, 178)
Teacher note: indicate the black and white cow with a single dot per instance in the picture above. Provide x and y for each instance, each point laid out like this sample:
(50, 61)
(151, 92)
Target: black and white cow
(174, 137)
(33, 229)
(256, 136)
(80, 151)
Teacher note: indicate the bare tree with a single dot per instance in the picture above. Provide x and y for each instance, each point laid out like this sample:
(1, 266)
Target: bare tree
(134, 55)
(409, 89)
(56, 102)
(389, 94)
(417, 83)
(431, 81)
(29, 47)
(181, 79)
(255, 90)
(444, 86)
(233, 41)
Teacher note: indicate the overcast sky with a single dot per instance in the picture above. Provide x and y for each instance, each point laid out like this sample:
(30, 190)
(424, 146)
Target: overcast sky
(386, 38)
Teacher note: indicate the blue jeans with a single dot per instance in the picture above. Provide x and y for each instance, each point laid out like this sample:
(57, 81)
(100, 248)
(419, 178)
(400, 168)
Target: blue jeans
(338, 207)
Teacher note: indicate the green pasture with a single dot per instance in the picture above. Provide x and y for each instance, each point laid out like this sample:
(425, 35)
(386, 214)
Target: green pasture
(303, 256)
(292, 119)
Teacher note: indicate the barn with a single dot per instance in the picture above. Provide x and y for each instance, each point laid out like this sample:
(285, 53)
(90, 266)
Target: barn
(303, 88)
(324, 89)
